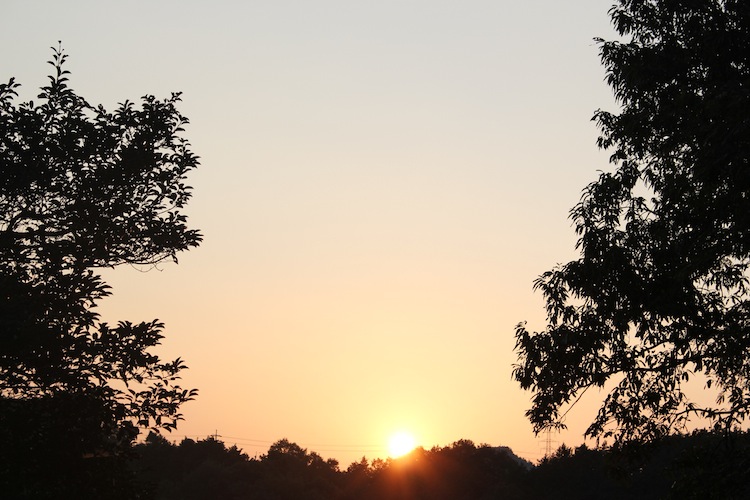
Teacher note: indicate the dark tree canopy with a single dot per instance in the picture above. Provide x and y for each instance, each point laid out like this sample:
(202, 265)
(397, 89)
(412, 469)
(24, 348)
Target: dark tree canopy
(83, 188)
(660, 293)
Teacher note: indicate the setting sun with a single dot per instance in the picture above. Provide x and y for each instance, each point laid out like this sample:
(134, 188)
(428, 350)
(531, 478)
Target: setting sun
(400, 444)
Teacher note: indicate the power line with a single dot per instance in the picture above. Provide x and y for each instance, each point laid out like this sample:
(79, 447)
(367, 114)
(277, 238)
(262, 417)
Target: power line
(254, 443)
(264, 443)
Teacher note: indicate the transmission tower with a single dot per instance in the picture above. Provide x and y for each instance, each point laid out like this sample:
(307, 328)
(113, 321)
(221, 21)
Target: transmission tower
(548, 442)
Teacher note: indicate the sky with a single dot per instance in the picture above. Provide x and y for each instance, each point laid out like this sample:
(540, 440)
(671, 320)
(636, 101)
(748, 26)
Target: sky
(380, 184)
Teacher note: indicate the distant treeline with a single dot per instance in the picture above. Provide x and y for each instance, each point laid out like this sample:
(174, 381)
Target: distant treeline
(702, 465)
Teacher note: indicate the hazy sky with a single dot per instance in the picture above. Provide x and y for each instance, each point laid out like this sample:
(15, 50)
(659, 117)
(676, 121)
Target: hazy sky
(381, 182)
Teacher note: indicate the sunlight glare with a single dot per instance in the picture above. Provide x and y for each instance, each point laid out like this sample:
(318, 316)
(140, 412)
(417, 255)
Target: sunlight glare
(400, 444)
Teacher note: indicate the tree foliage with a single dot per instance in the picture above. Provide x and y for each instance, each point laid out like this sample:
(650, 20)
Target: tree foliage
(84, 189)
(702, 465)
(660, 292)
(207, 469)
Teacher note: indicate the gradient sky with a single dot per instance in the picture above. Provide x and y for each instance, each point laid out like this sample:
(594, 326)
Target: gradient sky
(381, 182)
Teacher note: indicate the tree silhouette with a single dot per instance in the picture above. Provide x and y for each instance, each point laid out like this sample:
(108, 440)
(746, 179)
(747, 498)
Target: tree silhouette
(677, 467)
(82, 188)
(293, 472)
(660, 291)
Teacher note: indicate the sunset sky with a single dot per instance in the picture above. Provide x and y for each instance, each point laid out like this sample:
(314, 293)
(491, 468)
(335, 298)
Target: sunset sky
(381, 182)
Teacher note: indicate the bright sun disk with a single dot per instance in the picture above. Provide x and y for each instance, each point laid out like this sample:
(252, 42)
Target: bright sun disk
(400, 444)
